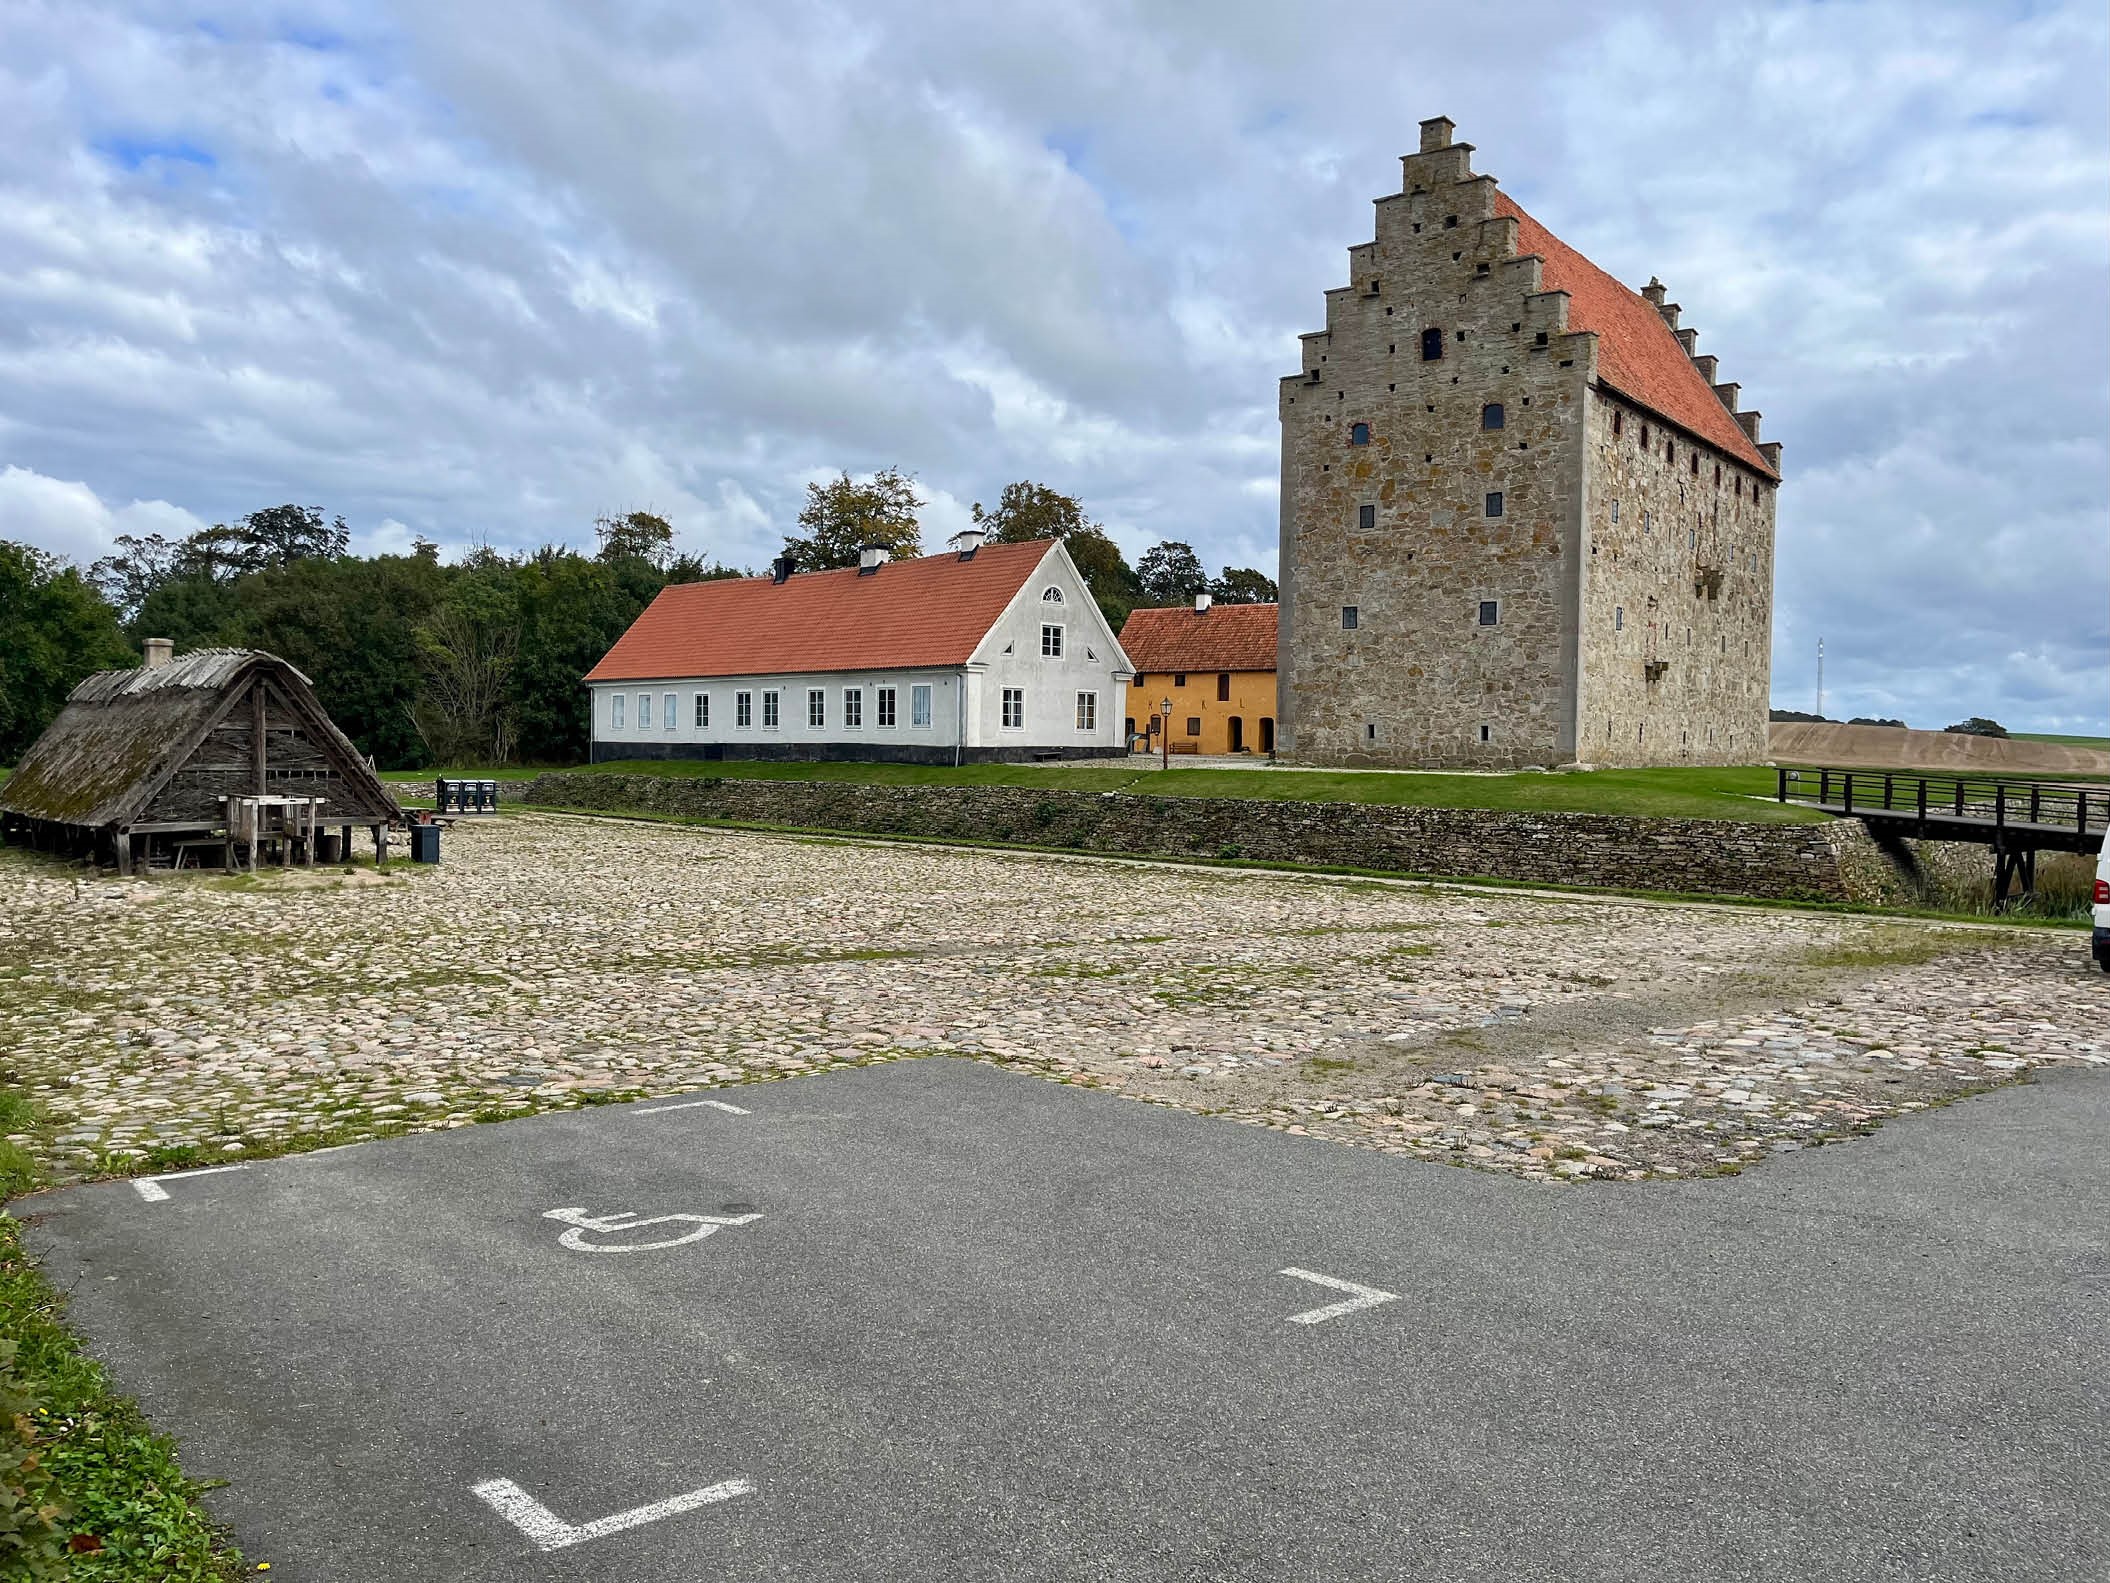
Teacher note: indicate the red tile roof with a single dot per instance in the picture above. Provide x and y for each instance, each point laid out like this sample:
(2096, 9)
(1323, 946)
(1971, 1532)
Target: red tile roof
(1637, 355)
(1221, 638)
(929, 611)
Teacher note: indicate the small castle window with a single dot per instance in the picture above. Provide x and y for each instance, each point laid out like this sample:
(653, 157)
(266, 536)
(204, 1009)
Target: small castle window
(1491, 415)
(1358, 434)
(1490, 612)
(1718, 475)
(1350, 618)
(1486, 733)
(1619, 618)
(1615, 511)
(1541, 339)
(1431, 345)
(1366, 516)
(1670, 450)
(1618, 422)
(1450, 222)
(1696, 464)
(1494, 502)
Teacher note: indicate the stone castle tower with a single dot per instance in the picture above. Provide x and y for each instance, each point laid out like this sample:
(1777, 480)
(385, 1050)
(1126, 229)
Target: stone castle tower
(1521, 521)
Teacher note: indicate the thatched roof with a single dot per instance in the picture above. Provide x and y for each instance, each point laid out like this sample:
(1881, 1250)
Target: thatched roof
(122, 735)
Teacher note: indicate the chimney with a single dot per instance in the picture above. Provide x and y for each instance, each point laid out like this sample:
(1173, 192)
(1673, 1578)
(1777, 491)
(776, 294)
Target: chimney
(965, 543)
(870, 559)
(158, 652)
(782, 567)
(1201, 604)
(1436, 133)
(1655, 291)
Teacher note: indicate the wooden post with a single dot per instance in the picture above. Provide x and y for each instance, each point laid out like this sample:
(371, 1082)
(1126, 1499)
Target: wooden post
(256, 727)
(380, 845)
(124, 853)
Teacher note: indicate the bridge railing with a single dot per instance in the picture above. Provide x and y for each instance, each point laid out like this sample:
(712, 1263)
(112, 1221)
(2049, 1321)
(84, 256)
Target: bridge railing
(1985, 800)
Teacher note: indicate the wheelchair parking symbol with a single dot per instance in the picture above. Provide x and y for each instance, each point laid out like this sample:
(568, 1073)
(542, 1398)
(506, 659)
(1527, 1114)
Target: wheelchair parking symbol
(590, 1233)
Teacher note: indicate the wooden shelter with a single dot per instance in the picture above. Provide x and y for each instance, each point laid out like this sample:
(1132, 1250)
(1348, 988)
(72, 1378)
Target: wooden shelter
(217, 757)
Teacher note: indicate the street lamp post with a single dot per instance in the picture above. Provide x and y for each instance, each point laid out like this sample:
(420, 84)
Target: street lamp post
(1165, 735)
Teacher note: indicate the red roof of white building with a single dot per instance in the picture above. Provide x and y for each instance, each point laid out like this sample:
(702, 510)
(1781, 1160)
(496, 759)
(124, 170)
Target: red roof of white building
(1637, 355)
(930, 611)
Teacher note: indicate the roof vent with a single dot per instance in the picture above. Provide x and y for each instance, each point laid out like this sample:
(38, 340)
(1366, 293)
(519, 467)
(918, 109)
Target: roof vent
(1201, 603)
(157, 653)
(870, 559)
(782, 567)
(965, 542)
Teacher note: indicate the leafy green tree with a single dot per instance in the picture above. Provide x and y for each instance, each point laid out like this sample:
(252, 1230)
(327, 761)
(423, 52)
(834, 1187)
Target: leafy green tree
(635, 536)
(571, 612)
(469, 642)
(55, 628)
(1978, 726)
(141, 563)
(843, 518)
(1171, 573)
(1026, 511)
(1242, 585)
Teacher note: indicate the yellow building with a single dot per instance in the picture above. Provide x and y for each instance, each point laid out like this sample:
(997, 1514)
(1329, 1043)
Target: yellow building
(1217, 665)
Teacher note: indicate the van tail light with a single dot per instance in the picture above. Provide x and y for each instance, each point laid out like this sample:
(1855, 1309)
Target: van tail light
(2102, 893)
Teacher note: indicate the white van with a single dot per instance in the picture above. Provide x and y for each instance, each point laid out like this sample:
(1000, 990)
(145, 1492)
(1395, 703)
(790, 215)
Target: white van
(2102, 906)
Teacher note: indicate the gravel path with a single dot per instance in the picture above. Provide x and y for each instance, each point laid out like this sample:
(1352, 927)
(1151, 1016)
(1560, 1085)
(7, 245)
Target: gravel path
(552, 962)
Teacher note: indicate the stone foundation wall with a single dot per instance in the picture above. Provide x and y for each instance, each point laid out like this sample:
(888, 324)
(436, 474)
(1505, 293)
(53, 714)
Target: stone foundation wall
(1813, 862)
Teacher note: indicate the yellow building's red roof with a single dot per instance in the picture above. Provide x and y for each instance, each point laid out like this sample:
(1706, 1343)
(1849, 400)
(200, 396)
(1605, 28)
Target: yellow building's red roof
(1221, 638)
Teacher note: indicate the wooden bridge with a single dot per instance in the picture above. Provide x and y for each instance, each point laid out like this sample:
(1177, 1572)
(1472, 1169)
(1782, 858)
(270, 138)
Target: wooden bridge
(2016, 818)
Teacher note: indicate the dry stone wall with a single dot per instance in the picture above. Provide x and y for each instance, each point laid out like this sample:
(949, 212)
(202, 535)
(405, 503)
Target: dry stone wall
(1804, 862)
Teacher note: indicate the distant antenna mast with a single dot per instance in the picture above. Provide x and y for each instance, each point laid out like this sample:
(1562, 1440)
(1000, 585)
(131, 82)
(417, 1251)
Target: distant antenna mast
(1820, 678)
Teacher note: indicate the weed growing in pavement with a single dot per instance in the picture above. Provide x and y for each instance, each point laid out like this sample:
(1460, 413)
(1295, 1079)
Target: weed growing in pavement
(1891, 948)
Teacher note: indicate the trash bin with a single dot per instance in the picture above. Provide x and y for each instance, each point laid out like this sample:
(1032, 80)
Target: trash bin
(329, 847)
(424, 843)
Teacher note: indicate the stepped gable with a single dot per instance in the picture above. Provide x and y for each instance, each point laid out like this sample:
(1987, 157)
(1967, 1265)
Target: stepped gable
(1220, 638)
(930, 611)
(1638, 354)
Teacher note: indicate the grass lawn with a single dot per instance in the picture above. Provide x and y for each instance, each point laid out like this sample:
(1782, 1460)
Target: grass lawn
(2100, 744)
(1680, 793)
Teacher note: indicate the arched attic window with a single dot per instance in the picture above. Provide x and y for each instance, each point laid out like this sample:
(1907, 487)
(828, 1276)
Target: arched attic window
(1051, 596)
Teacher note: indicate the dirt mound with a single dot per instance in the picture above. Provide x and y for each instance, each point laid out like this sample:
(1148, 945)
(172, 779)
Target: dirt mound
(1887, 748)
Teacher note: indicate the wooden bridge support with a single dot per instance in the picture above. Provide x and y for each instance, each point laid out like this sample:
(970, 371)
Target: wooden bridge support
(2013, 866)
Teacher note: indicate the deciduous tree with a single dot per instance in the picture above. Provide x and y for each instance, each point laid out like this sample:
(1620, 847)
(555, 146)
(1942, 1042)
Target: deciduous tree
(55, 628)
(845, 517)
(1171, 573)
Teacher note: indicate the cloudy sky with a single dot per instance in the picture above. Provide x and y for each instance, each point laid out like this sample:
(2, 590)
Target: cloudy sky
(482, 271)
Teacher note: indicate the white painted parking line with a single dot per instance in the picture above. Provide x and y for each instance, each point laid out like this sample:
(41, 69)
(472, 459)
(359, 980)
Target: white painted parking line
(548, 1531)
(1365, 1297)
(695, 1104)
(150, 1188)
(624, 1220)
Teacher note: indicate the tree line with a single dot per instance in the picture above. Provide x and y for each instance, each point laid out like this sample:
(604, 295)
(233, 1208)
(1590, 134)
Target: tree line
(475, 661)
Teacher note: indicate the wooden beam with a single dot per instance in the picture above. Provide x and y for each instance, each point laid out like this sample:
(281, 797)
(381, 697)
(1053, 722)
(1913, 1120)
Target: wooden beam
(256, 727)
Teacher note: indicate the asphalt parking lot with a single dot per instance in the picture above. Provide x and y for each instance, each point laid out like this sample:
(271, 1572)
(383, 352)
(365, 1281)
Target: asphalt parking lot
(930, 1320)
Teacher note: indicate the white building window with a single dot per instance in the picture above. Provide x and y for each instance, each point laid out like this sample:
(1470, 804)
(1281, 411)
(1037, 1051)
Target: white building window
(886, 706)
(1051, 642)
(919, 706)
(669, 712)
(770, 700)
(853, 708)
(1051, 596)
(615, 711)
(816, 707)
(703, 710)
(1087, 711)
(644, 711)
(743, 710)
(1014, 709)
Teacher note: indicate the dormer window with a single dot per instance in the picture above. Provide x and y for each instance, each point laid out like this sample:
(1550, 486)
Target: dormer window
(1358, 434)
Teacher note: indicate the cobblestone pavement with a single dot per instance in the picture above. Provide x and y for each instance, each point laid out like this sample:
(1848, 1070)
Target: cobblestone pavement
(552, 962)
